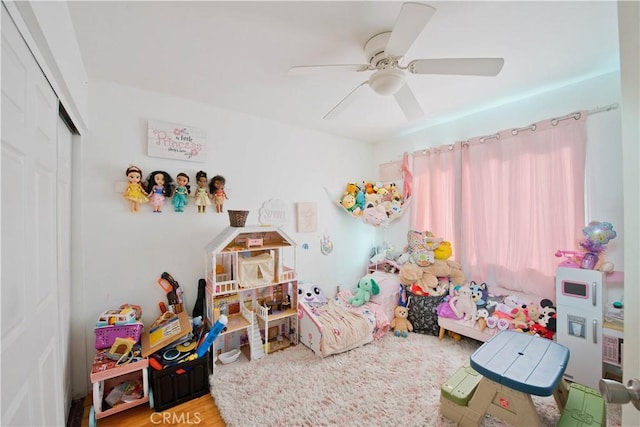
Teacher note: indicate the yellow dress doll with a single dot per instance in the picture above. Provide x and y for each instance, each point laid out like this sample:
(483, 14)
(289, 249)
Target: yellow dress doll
(134, 192)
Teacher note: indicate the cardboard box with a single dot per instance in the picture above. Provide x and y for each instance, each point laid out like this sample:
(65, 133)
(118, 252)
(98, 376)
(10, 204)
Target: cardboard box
(158, 338)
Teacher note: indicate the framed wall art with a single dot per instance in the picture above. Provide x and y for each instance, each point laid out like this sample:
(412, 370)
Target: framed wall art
(175, 141)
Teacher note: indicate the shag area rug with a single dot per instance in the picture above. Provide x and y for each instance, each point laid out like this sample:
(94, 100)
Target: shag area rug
(391, 382)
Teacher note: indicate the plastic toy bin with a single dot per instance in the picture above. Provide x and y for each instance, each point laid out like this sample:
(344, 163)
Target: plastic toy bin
(177, 384)
(106, 335)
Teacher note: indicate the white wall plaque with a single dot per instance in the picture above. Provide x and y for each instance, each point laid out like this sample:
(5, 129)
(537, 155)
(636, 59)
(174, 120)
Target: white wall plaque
(273, 212)
(174, 141)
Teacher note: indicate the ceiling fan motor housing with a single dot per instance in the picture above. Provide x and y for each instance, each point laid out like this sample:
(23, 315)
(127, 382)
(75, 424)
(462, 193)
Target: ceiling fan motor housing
(374, 49)
(387, 81)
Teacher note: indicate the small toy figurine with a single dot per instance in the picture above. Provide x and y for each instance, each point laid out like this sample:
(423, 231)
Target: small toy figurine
(216, 188)
(183, 190)
(203, 199)
(134, 192)
(159, 185)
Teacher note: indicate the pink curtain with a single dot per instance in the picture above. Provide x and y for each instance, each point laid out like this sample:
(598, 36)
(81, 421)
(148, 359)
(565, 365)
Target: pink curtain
(436, 192)
(506, 202)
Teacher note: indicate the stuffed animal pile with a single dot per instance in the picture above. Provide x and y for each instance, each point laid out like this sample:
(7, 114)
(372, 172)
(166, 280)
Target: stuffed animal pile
(376, 204)
(428, 270)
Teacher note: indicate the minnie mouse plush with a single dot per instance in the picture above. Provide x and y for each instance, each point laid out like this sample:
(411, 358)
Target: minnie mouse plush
(546, 326)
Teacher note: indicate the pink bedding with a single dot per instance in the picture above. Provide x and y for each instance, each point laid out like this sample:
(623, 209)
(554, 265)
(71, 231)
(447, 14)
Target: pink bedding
(375, 313)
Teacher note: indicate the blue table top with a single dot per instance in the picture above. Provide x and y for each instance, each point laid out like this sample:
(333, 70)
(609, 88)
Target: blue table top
(522, 362)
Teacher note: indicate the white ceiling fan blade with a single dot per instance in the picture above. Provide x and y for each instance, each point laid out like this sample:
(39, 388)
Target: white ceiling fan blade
(344, 103)
(298, 70)
(408, 103)
(410, 23)
(459, 66)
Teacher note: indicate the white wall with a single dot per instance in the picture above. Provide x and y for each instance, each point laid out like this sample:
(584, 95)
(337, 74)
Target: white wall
(124, 253)
(604, 147)
(48, 30)
(629, 36)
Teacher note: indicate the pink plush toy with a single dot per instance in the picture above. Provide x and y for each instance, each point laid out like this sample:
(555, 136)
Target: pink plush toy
(463, 305)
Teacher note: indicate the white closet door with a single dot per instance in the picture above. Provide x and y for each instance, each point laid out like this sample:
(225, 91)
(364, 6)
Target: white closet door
(31, 369)
(65, 139)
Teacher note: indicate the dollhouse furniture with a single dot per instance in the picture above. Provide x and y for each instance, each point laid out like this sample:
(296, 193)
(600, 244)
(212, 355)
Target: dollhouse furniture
(513, 366)
(106, 374)
(256, 287)
(254, 270)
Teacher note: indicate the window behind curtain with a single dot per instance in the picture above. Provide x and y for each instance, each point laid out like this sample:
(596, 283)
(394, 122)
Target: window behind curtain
(506, 204)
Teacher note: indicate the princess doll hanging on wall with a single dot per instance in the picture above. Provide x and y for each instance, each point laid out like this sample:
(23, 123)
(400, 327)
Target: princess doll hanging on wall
(159, 186)
(183, 189)
(216, 188)
(202, 196)
(134, 192)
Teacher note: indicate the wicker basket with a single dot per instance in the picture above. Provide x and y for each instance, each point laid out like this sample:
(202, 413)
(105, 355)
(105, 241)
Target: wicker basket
(238, 218)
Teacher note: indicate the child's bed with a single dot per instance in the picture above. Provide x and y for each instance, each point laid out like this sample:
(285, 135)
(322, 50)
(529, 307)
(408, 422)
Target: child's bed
(338, 326)
(543, 324)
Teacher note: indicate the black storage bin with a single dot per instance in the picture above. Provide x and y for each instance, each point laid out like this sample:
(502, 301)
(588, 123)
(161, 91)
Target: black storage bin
(180, 383)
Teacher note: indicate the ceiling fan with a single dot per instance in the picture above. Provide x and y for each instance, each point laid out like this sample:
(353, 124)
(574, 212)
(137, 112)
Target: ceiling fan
(385, 52)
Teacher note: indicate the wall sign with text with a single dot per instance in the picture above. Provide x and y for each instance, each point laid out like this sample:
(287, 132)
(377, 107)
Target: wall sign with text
(174, 141)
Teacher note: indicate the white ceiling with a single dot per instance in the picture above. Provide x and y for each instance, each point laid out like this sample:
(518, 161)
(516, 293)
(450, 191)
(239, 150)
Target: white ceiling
(236, 55)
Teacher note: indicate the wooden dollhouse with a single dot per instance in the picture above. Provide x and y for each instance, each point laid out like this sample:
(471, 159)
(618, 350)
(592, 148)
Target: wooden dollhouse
(250, 273)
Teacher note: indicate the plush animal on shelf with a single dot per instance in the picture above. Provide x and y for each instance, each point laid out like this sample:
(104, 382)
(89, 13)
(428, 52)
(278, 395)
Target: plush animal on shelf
(366, 287)
(463, 305)
(400, 324)
(376, 215)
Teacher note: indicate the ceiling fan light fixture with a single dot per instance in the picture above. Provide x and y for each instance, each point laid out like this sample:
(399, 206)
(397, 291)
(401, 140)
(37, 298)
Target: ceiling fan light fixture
(387, 81)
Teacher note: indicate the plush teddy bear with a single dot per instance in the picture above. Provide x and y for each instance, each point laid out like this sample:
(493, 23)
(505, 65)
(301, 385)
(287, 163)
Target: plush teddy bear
(400, 324)
(426, 278)
(524, 316)
(366, 287)
(463, 305)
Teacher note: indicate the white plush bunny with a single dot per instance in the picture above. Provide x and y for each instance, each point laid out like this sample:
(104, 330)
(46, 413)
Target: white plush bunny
(463, 305)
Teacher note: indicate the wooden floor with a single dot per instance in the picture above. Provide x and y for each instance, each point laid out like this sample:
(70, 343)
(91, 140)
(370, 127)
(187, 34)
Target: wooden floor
(201, 411)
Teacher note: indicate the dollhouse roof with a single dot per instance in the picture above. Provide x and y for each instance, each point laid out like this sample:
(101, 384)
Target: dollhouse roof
(230, 236)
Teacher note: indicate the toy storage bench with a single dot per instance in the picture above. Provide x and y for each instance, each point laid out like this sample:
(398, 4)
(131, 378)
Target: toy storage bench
(106, 375)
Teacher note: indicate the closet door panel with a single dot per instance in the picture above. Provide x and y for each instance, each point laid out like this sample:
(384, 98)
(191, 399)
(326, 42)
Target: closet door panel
(32, 391)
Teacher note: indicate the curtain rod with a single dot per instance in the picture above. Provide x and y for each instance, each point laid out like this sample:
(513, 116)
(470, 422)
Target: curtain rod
(576, 115)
